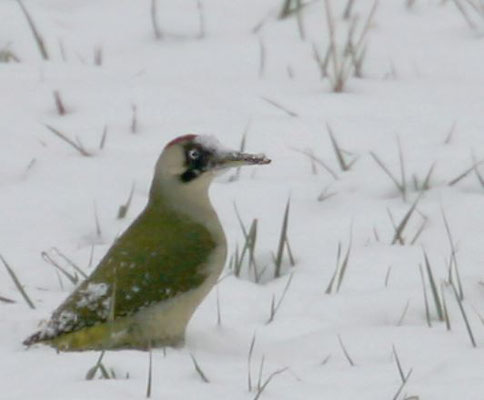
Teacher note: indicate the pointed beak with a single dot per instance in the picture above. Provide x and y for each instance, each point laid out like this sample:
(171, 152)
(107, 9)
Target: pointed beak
(236, 159)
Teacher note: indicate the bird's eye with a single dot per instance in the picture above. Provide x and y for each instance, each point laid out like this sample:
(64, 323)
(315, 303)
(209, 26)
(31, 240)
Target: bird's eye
(194, 154)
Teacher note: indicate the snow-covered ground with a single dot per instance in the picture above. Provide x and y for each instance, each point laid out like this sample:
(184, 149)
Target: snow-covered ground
(422, 84)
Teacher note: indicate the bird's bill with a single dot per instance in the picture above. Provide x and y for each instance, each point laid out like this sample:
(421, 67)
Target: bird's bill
(237, 159)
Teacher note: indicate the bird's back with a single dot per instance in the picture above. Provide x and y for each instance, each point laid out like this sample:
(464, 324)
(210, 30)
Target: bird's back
(159, 266)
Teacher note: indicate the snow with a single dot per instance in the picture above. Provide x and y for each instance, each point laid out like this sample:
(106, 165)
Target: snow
(422, 78)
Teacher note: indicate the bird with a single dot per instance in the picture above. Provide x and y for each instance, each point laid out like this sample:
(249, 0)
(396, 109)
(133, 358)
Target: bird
(146, 288)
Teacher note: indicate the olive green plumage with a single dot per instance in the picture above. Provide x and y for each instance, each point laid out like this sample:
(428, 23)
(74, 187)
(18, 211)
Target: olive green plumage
(147, 265)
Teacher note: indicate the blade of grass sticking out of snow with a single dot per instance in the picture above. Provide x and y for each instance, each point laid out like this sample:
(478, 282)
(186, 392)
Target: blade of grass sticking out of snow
(239, 218)
(325, 195)
(426, 301)
(91, 256)
(300, 19)
(444, 307)
(400, 186)
(433, 287)
(280, 107)
(261, 369)
(282, 241)
(419, 231)
(59, 104)
(399, 365)
(72, 143)
(154, 20)
(404, 313)
(251, 242)
(198, 369)
(461, 176)
(479, 176)
(426, 182)
(402, 385)
(329, 289)
(275, 307)
(267, 381)
(337, 150)
(345, 352)
(59, 279)
(104, 136)
(394, 225)
(366, 28)
(286, 8)
(17, 283)
(249, 363)
(450, 134)
(403, 223)
(322, 64)
(73, 278)
(37, 36)
(387, 275)
(6, 300)
(96, 221)
(237, 263)
(375, 233)
(150, 372)
(358, 61)
(464, 315)
(325, 360)
(124, 208)
(453, 257)
(344, 264)
(292, 261)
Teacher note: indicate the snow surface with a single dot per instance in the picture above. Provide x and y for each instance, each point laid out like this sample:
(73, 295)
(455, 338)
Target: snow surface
(423, 73)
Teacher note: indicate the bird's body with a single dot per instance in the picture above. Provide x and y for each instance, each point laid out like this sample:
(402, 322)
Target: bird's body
(146, 288)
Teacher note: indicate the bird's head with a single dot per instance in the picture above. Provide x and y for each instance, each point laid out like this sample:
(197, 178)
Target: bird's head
(192, 161)
(191, 157)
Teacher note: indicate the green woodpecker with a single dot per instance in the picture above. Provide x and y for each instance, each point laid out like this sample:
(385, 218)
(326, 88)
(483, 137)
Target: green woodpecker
(146, 288)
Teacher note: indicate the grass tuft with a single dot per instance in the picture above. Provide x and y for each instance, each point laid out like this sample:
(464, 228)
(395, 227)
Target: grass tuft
(75, 144)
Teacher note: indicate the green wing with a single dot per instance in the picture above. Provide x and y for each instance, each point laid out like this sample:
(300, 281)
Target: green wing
(158, 257)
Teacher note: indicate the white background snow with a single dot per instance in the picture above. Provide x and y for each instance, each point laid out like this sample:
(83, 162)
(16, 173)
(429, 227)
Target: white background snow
(423, 74)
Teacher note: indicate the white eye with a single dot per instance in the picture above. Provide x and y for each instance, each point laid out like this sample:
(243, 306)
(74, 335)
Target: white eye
(194, 154)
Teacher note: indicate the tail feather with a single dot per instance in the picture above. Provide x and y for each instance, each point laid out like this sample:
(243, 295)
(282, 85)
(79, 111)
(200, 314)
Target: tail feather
(32, 339)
